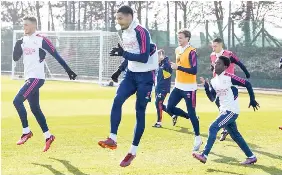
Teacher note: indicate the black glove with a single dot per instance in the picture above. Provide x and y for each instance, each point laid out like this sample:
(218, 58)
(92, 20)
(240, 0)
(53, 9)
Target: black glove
(117, 51)
(71, 74)
(18, 51)
(212, 68)
(116, 75)
(254, 104)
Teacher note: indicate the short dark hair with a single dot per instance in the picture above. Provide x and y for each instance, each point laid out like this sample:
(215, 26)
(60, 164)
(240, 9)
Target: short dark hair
(218, 40)
(125, 9)
(31, 19)
(185, 32)
(226, 60)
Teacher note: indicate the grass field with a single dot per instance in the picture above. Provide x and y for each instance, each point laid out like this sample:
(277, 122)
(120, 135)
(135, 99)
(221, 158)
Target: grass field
(78, 115)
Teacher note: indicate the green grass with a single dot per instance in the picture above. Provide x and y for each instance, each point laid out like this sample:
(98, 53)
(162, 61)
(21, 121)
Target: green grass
(78, 115)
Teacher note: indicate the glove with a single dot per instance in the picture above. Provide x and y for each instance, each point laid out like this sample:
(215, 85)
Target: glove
(117, 51)
(116, 75)
(212, 67)
(71, 74)
(254, 104)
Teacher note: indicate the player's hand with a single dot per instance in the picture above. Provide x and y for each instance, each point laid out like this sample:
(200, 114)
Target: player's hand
(173, 65)
(116, 75)
(117, 51)
(211, 67)
(204, 81)
(71, 74)
(254, 104)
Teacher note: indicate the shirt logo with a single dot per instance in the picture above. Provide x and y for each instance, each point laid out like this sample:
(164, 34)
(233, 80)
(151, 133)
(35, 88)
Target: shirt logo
(28, 51)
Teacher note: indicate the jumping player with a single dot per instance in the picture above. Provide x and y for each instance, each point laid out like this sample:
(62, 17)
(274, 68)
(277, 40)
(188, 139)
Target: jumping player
(33, 48)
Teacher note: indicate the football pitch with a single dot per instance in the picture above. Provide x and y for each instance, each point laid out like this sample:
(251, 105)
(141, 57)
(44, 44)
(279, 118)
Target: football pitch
(78, 115)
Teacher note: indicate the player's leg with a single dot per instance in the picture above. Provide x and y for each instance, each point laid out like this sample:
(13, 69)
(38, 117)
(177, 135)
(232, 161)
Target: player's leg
(237, 137)
(190, 100)
(19, 105)
(124, 91)
(174, 98)
(144, 83)
(223, 119)
(34, 104)
(160, 97)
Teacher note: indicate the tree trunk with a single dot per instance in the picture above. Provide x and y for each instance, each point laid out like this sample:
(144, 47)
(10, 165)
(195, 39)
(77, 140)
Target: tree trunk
(139, 11)
(185, 13)
(84, 15)
(113, 4)
(91, 18)
(175, 20)
(106, 16)
(69, 16)
(38, 15)
(66, 15)
(73, 15)
(78, 16)
(52, 18)
(219, 18)
(247, 23)
(167, 24)
(147, 21)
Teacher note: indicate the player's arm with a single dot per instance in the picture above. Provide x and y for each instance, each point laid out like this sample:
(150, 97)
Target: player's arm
(210, 92)
(143, 39)
(235, 80)
(168, 70)
(235, 59)
(49, 47)
(18, 51)
(193, 62)
(280, 63)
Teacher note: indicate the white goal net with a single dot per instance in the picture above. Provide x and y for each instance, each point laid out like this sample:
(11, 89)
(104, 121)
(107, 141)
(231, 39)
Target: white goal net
(86, 52)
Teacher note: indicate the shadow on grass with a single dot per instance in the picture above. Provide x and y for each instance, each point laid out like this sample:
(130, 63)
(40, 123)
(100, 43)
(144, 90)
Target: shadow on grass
(70, 167)
(210, 170)
(49, 167)
(233, 161)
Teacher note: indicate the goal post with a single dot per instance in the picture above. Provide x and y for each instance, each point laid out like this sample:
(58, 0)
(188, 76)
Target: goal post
(86, 52)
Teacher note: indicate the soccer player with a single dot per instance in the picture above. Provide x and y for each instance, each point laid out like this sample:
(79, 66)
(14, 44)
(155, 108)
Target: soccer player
(139, 79)
(163, 84)
(185, 82)
(222, 86)
(33, 48)
(218, 50)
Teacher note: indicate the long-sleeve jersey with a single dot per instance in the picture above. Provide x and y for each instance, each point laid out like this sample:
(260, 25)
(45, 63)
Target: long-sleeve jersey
(164, 72)
(122, 67)
(233, 59)
(222, 87)
(136, 43)
(33, 49)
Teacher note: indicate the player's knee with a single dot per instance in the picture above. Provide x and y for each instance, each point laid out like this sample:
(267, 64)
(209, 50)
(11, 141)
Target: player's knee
(118, 101)
(35, 109)
(213, 128)
(17, 101)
